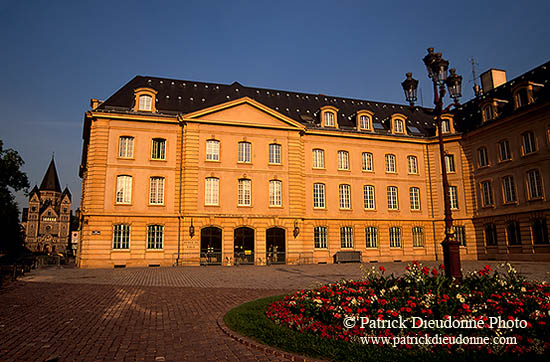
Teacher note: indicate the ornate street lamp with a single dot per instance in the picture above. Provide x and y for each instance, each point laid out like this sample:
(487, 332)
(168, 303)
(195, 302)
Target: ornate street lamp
(437, 72)
(409, 86)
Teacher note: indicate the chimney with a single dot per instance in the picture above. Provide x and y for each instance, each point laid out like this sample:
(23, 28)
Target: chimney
(492, 79)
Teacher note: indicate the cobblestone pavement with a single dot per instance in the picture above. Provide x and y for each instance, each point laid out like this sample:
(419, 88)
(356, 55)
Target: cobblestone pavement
(153, 314)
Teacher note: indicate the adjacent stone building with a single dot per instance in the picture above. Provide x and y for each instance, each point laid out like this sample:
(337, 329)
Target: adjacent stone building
(47, 219)
(179, 172)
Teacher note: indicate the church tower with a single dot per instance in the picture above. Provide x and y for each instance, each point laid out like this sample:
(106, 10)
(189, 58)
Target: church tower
(48, 215)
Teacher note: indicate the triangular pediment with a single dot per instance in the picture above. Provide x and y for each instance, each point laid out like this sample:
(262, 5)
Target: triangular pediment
(245, 111)
(50, 209)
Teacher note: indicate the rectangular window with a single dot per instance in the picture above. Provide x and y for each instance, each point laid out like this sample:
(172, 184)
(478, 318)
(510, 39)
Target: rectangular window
(319, 196)
(367, 163)
(121, 236)
(368, 197)
(490, 235)
(123, 189)
(393, 203)
(445, 128)
(320, 237)
(318, 158)
(398, 126)
(460, 235)
(529, 143)
(534, 183)
(414, 193)
(275, 193)
(158, 150)
(275, 154)
(390, 163)
(211, 191)
(540, 231)
(514, 233)
(395, 237)
(346, 237)
(364, 122)
(509, 189)
(482, 157)
(371, 237)
(504, 150)
(212, 150)
(450, 163)
(418, 237)
(156, 196)
(126, 147)
(345, 196)
(329, 119)
(245, 152)
(155, 236)
(244, 198)
(487, 193)
(488, 113)
(453, 197)
(522, 97)
(343, 160)
(413, 165)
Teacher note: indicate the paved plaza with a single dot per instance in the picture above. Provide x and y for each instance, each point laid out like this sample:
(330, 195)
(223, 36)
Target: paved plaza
(154, 314)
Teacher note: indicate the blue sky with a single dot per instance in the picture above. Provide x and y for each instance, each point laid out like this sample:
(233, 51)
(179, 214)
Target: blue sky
(56, 55)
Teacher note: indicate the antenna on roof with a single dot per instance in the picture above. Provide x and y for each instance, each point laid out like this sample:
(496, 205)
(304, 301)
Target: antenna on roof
(53, 154)
(477, 88)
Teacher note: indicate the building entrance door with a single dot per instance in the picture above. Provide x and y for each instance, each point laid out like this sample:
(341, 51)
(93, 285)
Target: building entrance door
(211, 246)
(275, 246)
(244, 246)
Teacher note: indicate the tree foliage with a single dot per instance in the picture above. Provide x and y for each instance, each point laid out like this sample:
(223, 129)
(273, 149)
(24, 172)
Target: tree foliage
(12, 179)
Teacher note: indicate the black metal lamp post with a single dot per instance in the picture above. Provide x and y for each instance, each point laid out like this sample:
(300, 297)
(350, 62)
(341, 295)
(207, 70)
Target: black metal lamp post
(437, 71)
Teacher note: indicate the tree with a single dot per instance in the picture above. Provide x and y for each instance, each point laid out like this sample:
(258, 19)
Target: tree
(12, 179)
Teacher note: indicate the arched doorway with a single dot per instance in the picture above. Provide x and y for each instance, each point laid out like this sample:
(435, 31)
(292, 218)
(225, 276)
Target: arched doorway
(211, 245)
(244, 246)
(275, 245)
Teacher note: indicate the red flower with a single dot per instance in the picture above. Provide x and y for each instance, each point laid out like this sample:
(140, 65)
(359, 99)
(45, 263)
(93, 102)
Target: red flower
(382, 269)
(434, 272)
(441, 266)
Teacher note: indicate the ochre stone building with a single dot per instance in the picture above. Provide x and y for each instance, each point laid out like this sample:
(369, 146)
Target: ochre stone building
(46, 221)
(180, 173)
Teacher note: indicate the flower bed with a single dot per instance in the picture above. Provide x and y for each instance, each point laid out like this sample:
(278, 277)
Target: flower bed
(514, 314)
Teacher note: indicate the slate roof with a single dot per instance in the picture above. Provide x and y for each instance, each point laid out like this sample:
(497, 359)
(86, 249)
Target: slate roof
(183, 96)
(66, 192)
(469, 117)
(50, 181)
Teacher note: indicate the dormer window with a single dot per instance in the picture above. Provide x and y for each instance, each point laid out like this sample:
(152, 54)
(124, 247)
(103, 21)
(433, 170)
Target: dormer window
(398, 126)
(522, 97)
(488, 113)
(145, 100)
(329, 116)
(145, 103)
(445, 126)
(329, 119)
(397, 123)
(364, 120)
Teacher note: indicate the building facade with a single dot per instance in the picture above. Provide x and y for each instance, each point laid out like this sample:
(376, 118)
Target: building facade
(182, 173)
(47, 219)
(507, 143)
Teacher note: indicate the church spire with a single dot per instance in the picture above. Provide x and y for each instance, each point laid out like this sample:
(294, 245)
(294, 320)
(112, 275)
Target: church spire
(51, 181)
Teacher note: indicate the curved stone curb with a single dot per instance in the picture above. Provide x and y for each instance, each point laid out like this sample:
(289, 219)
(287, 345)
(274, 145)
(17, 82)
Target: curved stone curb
(266, 349)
